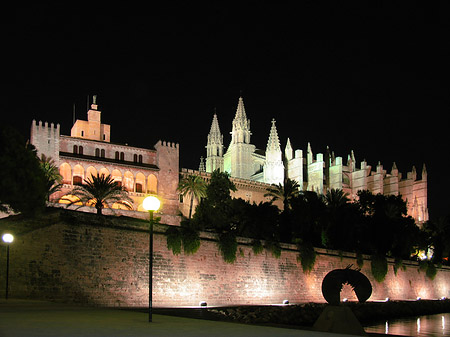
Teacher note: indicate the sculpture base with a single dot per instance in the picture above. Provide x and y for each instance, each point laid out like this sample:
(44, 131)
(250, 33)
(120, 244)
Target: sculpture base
(339, 319)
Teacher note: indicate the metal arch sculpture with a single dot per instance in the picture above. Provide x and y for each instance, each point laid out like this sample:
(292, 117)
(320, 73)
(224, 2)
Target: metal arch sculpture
(334, 280)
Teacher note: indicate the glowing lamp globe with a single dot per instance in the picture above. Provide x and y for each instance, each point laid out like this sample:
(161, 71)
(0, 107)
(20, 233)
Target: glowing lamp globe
(151, 203)
(7, 238)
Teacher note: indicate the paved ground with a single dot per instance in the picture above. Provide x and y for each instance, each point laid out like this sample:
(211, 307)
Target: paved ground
(39, 318)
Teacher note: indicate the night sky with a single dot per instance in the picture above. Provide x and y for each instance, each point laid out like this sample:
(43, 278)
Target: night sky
(372, 78)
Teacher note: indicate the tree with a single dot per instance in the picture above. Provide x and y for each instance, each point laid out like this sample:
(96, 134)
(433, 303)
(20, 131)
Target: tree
(388, 228)
(308, 217)
(437, 237)
(53, 180)
(215, 211)
(194, 187)
(100, 191)
(284, 192)
(22, 187)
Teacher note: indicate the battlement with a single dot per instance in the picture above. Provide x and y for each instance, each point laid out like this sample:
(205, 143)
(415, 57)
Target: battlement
(45, 138)
(167, 144)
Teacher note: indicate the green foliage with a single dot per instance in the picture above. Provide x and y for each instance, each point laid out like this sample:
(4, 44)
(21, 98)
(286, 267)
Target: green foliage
(191, 240)
(22, 183)
(359, 260)
(398, 263)
(274, 248)
(228, 246)
(436, 234)
(307, 257)
(194, 187)
(379, 267)
(101, 191)
(423, 266)
(215, 211)
(285, 192)
(185, 237)
(431, 271)
(53, 180)
(173, 236)
(257, 246)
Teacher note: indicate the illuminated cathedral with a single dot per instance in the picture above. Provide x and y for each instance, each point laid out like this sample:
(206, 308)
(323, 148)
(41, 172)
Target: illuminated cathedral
(252, 168)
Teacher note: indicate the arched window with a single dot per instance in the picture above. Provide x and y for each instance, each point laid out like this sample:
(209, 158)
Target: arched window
(97, 152)
(78, 175)
(75, 149)
(128, 181)
(140, 158)
(152, 184)
(140, 182)
(66, 172)
(122, 156)
(91, 171)
(80, 149)
(102, 153)
(117, 176)
(135, 158)
(117, 155)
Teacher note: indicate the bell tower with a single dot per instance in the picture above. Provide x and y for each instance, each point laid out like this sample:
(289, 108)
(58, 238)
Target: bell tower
(214, 147)
(238, 159)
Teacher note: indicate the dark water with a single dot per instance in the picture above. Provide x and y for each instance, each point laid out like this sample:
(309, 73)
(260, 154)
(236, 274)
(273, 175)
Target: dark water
(432, 325)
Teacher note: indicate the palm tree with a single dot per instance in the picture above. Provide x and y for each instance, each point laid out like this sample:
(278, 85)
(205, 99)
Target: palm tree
(193, 186)
(285, 192)
(336, 198)
(101, 191)
(53, 180)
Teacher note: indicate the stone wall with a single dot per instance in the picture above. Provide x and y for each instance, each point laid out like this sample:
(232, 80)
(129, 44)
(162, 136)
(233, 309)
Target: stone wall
(82, 258)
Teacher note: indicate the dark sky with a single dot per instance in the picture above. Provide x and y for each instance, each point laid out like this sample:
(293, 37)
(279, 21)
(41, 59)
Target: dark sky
(368, 78)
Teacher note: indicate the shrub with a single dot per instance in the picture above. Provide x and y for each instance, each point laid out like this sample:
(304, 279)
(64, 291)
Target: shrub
(359, 260)
(274, 248)
(379, 267)
(228, 246)
(191, 240)
(431, 271)
(307, 257)
(173, 237)
(257, 247)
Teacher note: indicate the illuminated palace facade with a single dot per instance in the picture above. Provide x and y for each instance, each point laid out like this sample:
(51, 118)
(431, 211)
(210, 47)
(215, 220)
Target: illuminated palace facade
(156, 170)
(254, 170)
(88, 150)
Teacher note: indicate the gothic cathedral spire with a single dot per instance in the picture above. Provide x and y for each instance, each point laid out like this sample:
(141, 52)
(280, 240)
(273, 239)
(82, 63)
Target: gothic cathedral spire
(273, 166)
(238, 160)
(214, 147)
(241, 125)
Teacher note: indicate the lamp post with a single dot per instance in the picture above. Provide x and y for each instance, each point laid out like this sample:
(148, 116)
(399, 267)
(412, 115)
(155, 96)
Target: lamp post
(8, 239)
(150, 204)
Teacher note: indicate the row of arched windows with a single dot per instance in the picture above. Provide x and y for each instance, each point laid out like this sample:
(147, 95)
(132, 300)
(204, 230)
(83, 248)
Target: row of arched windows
(138, 183)
(78, 149)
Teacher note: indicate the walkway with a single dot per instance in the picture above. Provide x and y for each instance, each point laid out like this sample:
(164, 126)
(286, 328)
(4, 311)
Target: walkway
(39, 318)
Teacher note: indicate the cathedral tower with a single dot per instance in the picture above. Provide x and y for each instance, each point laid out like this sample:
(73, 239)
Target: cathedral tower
(214, 147)
(273, 166)
(238, 159)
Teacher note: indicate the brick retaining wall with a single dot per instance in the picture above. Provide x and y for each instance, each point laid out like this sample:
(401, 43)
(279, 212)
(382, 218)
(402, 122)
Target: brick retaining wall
(106, 263)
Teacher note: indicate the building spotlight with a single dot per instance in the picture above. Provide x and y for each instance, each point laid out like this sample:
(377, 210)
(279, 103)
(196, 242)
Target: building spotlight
(286, 302)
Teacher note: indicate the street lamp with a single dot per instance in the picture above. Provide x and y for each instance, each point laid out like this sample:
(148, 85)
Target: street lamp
(8, 239)
(150, 204)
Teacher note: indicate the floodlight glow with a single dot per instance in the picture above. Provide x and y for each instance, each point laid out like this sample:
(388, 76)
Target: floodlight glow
(151, 203)
(7, 238)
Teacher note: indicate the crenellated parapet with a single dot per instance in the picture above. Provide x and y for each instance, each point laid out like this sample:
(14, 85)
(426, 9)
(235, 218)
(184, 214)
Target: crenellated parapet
(45, 137)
